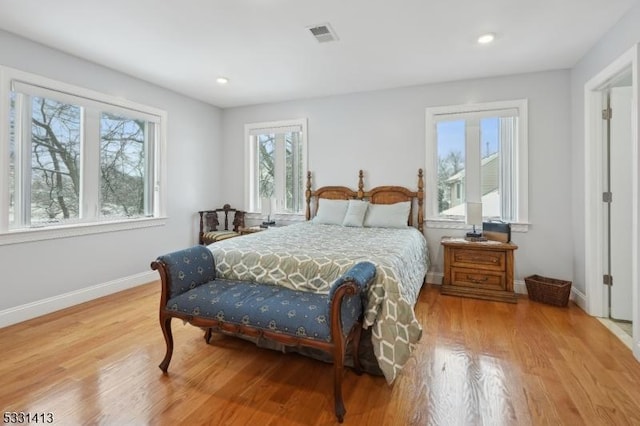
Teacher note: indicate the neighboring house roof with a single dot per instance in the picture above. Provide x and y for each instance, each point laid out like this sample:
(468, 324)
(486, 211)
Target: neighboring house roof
(460, 175)
(490, 206)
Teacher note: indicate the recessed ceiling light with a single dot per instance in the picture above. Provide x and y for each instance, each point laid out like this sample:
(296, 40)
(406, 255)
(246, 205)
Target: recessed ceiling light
(222, 80)
(486, 38)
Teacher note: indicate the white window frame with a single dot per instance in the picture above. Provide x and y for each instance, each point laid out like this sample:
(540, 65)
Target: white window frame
(107, 103)
(251, 162)
(437, 114)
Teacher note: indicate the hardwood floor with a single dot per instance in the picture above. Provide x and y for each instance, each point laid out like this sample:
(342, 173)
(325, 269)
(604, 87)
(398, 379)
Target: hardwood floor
(478, 362)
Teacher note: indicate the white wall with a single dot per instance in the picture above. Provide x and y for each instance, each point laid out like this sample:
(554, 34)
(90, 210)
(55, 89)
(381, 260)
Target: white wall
(617, 41)
(383, 132)
(34, 271)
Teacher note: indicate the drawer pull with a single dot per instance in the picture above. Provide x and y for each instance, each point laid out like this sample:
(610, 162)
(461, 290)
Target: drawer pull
(476, 280)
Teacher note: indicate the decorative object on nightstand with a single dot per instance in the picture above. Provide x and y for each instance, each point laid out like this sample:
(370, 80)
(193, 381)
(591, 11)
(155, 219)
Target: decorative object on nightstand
(497, 231)
(473, 217)
(480, 269)
(266, 205)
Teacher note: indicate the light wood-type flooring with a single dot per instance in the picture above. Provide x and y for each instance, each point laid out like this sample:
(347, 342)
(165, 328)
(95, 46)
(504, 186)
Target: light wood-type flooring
(478, 363)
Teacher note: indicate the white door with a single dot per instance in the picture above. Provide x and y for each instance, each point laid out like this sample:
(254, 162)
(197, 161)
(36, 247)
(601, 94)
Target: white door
(621, 307)
(622, 72)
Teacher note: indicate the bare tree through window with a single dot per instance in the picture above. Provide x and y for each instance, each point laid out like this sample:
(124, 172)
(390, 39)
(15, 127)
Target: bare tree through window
(55, 160)
(122, 166)
(268, 146)
(45, 164)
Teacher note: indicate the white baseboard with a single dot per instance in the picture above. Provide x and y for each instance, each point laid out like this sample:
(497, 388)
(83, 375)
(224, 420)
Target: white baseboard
(51, 304)
(434, 277)
(579, 298)
(520, 287)
(45, 306)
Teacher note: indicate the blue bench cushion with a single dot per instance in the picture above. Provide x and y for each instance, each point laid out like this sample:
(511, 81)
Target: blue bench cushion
(269, 307)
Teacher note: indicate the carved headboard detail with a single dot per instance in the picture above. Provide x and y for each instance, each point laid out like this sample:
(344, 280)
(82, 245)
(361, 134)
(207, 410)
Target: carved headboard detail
(377, 195)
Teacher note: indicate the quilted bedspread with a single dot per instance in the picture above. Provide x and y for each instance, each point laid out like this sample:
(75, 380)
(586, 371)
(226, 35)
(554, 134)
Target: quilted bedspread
(308, 256)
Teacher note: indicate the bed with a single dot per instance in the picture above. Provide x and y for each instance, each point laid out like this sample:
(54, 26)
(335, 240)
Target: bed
(310, 255)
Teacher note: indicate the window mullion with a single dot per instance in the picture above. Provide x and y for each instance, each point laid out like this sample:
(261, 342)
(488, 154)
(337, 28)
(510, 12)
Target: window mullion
(150, 172)
(5, 163)
(90, 166)
(23, 161)
(295, 172)
(472, 161)
(253, 160)
(508, 132)
(280, 171)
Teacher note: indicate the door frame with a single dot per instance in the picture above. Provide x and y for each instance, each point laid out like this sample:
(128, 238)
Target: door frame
(596, 292)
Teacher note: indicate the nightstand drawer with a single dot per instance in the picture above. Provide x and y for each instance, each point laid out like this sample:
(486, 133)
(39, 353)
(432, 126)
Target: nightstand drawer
(478, 279)
(479, 259)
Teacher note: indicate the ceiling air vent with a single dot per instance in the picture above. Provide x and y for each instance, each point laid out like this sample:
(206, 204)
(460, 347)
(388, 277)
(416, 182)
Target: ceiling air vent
(323, 33)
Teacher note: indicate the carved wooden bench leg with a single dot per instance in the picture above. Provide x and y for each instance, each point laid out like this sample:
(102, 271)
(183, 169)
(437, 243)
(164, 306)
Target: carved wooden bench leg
(355, 347)
(165, 324)
(207, 335)
(338, 372)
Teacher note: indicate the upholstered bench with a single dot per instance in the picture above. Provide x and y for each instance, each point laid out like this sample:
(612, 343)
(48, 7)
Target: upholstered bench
(191, 292)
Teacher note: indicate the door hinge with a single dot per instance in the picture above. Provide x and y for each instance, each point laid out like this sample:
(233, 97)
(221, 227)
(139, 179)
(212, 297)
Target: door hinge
(607, 279)
(607, 197)
(607, 113)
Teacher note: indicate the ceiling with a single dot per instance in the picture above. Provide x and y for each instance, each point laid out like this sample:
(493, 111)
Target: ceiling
(266, 51)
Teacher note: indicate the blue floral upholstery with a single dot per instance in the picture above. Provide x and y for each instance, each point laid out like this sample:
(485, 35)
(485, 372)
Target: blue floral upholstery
(362, 274)
(192, 292)
(188, 269)
(274, 308)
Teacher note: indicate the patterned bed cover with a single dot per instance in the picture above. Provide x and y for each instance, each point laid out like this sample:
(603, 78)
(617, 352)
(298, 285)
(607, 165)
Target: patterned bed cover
(308, 256)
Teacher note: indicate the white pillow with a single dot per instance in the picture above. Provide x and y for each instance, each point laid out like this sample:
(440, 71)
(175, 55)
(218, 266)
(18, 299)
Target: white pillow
(388, 215)
(355, 213)
(331, 212)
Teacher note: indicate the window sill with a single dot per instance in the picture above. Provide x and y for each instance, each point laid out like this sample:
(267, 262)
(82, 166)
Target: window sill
(284, 216)
(459, 224)
(279, 218)
(75, 230)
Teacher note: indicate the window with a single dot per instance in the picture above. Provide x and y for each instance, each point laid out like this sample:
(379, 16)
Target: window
(76, 157)
(276, 164)
(477, 153)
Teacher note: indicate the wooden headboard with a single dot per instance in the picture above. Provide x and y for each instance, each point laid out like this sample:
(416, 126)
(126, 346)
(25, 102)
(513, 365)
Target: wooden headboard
(377, 195)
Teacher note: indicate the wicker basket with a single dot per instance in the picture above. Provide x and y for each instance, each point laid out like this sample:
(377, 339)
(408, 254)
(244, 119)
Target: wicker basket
(548, 290)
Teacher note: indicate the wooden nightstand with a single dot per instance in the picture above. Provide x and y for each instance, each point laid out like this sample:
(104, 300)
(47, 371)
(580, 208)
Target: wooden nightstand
(483, 270)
